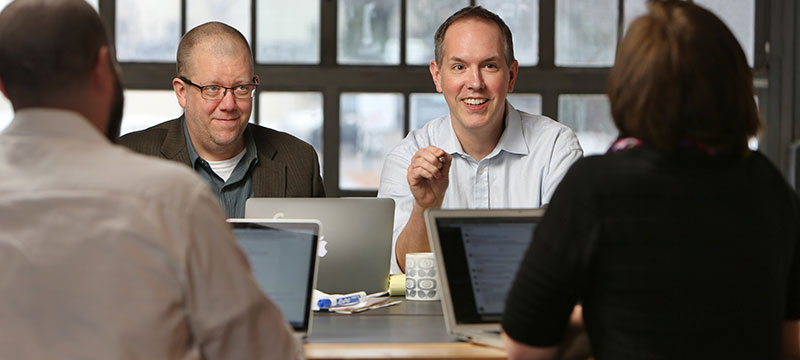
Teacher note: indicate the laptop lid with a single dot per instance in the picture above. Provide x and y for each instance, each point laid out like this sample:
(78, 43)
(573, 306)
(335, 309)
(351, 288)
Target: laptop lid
(356, 239)
(283, 254)
(477, 254)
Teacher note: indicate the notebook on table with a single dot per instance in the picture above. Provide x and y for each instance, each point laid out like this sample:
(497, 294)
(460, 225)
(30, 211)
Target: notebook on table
(283, 256)
(477, 254)
(356, 242)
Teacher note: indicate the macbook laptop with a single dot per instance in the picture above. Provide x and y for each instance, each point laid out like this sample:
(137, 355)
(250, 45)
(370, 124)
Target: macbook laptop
(356, 238)
(283, 256)
(477, 254)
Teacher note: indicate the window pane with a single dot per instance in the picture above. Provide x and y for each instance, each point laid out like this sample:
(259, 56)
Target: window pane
(529, 103)
(586, 32)
(147, 35)
(297, 113)
(369, 32)
(6, 112)
(371, 125)
(235, 13)
(288, 31)
(423, 17)
(633, 9)
(145, 108)
(590, 117)
(522, 17)
(738, 15)
(425, 107)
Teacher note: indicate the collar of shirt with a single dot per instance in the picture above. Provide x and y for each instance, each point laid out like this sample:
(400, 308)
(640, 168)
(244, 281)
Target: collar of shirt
(54, 123)
(250, 157)
(511, 141)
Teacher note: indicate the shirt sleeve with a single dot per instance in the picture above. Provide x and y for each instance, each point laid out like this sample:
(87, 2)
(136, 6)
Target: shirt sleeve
(566, 151)
(229, 315)
(549, 281)
(394, 185)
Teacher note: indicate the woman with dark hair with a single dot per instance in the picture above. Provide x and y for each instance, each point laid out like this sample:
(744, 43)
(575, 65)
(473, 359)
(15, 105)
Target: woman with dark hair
(679, 242)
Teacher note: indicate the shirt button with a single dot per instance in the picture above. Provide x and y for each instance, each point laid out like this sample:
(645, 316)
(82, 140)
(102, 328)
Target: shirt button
(480, 171)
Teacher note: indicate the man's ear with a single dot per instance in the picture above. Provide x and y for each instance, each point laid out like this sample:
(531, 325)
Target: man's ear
(102, 79)
(180, 91)
(436, 75)
(513, 70)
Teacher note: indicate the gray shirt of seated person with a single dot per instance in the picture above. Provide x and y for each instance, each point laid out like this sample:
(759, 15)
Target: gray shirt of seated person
(234, 192)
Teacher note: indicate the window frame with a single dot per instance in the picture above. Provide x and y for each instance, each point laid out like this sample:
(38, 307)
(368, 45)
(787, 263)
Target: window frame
(332, 79)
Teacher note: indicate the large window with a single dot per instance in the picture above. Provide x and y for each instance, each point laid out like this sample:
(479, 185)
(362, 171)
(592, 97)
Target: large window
(351, 76)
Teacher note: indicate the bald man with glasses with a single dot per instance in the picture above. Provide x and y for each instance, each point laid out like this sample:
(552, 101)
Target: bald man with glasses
(215, 85)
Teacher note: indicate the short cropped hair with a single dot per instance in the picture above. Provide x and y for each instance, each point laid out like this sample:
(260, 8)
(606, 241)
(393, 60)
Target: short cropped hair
(210, 31)
(48, 48)
(473, 12)
(681, 75)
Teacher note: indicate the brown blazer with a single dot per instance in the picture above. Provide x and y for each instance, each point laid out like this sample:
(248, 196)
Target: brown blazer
(287, 166)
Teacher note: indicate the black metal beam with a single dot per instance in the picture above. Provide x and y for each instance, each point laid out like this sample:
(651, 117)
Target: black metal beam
(372, 78)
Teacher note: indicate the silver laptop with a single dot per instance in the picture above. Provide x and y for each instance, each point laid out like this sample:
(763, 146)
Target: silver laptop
(356, 238)
(283, 256)
(477, 254)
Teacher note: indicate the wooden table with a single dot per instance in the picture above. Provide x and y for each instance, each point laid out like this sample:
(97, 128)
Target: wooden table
(410, 330)
(453, 350)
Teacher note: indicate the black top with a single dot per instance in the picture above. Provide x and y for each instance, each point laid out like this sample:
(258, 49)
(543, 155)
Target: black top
(672, 256)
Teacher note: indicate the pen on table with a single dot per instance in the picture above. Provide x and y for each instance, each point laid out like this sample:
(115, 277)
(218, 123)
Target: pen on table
(341, 300)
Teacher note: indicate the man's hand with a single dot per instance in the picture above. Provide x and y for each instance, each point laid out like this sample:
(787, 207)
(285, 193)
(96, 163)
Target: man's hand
(428, 176)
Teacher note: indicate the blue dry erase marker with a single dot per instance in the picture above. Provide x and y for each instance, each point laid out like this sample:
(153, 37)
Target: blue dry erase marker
(350, 299)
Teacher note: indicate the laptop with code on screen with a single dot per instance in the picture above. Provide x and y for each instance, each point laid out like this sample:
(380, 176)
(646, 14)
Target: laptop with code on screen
(477, 254)
(283, 257)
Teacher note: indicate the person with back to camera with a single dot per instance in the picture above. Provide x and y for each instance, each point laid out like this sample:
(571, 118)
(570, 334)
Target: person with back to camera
(105, 253)
(680, 242)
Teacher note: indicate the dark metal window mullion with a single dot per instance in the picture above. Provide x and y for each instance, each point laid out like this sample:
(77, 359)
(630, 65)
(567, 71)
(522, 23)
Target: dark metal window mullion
(254, 48)
(183, 17)
(331, 140)
(107, 11)
(547, 40)
(620, 22)
(403, 43)
(330, 98)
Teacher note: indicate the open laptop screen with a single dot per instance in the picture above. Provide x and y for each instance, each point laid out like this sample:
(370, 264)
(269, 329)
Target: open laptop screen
(356, 231)
(283, 264)
(482, 255)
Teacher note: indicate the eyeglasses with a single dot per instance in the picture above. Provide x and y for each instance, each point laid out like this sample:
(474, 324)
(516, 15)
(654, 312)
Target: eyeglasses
(217, 92)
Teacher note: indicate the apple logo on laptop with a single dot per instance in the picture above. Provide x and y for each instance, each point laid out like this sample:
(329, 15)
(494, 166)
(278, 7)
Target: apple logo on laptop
(321, 250)
(278, 215)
